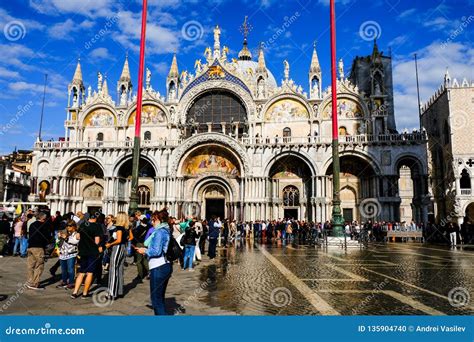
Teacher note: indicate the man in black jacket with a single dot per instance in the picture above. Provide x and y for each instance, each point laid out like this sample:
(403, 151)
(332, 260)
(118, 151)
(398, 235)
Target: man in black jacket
(39, 237)
(4, 232)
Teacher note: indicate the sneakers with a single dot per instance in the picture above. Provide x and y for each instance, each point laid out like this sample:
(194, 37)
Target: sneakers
(36, 288)
(61, 286)
(75, 295)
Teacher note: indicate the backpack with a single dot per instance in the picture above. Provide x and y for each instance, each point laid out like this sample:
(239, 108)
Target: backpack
(174, 251)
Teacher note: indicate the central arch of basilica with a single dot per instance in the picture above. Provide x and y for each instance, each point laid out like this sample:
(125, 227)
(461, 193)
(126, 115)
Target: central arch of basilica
(228, 140)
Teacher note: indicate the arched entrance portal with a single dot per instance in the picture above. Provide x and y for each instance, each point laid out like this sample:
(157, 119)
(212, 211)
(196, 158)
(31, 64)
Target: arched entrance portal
(211, 177)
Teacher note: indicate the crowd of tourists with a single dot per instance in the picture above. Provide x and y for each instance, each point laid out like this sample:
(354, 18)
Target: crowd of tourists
(92, 247)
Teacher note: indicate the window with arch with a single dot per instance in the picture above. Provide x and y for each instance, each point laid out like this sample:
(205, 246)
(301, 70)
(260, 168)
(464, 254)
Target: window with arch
(147, 136)
(465, 181)
(342, 131)
(286, 134)
(100, 137)
(291, 196)
(144, 195)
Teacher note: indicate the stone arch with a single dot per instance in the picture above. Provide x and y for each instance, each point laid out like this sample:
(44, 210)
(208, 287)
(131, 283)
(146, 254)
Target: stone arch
(300, 154)
(224, 85)
(410, 160)
(366, 156)
(179, 155)
(127, 158)
(70, 163)
(204, 182)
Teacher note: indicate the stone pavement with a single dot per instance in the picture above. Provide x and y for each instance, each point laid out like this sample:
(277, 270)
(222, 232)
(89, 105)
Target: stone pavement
(278, 279)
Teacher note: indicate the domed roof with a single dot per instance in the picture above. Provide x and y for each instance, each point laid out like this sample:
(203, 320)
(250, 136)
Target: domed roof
(243, 66)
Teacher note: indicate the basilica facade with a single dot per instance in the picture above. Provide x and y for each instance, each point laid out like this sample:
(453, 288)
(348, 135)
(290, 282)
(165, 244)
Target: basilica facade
(228, 139)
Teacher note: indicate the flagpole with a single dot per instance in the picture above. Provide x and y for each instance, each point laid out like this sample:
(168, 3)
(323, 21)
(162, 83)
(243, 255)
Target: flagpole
(138, 118)
(337, 220)
(42, 108)
(418, 91)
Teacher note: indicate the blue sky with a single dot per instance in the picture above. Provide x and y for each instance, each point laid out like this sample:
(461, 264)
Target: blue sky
(47, 36)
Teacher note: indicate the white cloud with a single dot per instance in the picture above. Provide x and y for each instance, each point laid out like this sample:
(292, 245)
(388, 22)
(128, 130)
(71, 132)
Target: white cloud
(91, 8)
(160, 39)
(161, 68)
(18, 55)
(64, 30)
(7, 73)
(432, 63)
(5, 18)
(101, 53)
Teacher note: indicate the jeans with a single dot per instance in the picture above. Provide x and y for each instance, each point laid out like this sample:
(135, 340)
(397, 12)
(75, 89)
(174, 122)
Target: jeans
(188, 256)
(68, 271)
(24, 246)
(212, 247)
(159, 278)
(453, 238)
(16, 246)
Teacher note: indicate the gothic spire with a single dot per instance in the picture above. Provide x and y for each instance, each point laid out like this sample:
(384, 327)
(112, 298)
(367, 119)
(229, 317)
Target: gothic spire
(261, 60)
(376, 54)
(174, 73)
(125, 77)
(77, 78)
(105, 88)
(315, 67)
(245, 54)
(447, 78)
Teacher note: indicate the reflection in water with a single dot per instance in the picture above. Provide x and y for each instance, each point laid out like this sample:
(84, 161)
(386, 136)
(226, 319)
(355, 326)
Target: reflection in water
(242, 279)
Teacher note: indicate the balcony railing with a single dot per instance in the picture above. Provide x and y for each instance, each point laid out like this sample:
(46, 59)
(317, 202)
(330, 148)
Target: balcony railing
(248, 141)
(466, 192)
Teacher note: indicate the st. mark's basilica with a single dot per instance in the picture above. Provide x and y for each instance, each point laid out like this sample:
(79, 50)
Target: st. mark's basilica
(228, 139)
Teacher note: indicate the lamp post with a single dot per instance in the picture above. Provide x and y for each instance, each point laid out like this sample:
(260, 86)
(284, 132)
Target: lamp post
(138, 118)
(337, 220)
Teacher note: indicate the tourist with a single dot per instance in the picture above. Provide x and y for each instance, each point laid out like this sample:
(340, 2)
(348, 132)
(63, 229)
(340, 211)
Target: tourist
(89, 240)
(109, 223)
(214, 230)
(69, 239)
(453, 232)
(4, 232)
(189, 241)
(138, 241)
(225, 232)
(17, 227)
(203, 238)
(161, 269)
(24, 236)
(199, 229)
(117, 246)
(39, 238)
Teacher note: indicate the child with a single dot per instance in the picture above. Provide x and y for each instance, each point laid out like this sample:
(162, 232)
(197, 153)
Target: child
(68, 241)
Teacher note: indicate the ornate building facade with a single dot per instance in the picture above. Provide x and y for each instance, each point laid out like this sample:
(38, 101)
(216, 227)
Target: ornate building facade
(447, 118)
(229, 140)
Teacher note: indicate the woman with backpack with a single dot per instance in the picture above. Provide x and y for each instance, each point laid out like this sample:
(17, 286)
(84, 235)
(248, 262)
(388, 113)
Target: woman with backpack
(156, 246)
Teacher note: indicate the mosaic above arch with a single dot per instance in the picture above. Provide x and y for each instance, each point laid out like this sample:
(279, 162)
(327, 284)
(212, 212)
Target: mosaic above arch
(211, 159)
(151, 115)
(100, 118)
(346, 108)
(286, 110)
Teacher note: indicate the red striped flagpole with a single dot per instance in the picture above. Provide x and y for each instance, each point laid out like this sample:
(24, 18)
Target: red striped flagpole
(138, 117)
(337, 220)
